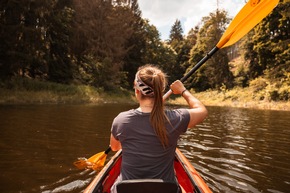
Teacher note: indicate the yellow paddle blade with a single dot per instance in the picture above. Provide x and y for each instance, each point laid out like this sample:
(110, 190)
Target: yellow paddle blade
(94, 162)
(100, 162)
(95, 157)
(83, 163)
(249, 16)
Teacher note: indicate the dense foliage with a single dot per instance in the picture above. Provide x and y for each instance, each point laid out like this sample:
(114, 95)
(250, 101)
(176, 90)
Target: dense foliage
(103, 42)
(216, 72)
(267, 48)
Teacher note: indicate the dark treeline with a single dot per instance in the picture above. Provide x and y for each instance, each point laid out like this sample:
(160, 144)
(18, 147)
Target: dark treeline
(103, 42)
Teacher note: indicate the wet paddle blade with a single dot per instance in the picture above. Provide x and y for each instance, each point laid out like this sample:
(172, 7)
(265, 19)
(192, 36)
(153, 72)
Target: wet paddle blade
(83, 163)
(100, 162)
(94, 162)
(96, 157)
(249, 16)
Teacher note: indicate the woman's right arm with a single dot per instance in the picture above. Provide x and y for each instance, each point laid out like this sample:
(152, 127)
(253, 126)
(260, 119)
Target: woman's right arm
(197, 110)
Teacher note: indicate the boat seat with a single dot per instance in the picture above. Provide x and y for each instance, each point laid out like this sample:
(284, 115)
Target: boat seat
(147, 186)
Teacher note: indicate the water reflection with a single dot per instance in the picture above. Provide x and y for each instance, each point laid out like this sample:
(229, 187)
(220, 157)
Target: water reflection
(39, 143)
(241, 150)
(235, 150)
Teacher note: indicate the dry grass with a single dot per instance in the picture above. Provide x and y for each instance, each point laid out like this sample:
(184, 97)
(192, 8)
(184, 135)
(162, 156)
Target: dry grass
(238, 97)
(36, 92)
(33, 92)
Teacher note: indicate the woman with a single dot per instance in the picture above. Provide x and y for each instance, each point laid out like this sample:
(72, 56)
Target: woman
(148, 135)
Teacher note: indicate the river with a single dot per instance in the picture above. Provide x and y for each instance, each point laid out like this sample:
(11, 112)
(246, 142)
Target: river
(234, 150)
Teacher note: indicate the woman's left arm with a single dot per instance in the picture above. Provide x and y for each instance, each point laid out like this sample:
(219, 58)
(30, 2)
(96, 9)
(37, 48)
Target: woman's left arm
(115, 144)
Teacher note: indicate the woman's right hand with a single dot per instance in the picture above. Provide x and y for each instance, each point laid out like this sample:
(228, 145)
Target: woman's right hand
(177, 87)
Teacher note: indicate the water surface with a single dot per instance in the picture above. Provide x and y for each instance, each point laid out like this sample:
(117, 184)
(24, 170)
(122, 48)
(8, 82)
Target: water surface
(235, 150)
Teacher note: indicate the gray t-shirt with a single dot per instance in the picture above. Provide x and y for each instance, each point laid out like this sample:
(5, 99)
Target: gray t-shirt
(143, 154)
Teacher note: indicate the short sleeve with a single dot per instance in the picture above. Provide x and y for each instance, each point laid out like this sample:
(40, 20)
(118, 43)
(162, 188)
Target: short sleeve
(179, 119)
(184, 119)
(114, 129)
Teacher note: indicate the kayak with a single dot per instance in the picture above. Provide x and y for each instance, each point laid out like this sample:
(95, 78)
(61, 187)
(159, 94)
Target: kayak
(188, 178)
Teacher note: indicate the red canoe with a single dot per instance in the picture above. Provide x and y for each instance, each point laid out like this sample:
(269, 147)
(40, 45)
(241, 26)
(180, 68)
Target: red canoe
(188, 178)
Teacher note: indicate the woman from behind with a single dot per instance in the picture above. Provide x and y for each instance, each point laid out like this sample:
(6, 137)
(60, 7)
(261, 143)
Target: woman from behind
(148, 135)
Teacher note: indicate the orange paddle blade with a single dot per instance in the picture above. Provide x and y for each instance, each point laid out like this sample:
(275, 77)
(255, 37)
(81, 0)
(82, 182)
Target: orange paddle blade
(97, 159)
(81, 163)
(94, 162)
(249, 16)
(99, 162)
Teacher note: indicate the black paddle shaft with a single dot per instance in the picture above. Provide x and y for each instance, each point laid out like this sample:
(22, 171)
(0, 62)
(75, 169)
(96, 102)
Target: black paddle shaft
(200, 63)
(195, 68)
(108, 150)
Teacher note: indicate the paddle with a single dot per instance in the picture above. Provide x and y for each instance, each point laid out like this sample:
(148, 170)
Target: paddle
(94, 162)
(247, 18)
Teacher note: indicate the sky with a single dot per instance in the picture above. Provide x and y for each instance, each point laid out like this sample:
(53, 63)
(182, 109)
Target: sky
(163, 13)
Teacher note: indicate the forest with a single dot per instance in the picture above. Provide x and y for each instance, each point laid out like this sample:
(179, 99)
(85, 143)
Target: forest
(102, 43)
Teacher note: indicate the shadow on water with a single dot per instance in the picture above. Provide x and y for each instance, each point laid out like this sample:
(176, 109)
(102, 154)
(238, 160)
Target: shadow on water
(235, 150)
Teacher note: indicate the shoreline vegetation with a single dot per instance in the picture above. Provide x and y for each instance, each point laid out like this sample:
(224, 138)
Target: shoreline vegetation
(25, 91)
(215, 98)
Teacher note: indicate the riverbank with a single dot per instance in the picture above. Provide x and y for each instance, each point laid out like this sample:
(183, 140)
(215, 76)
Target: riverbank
(84, 95)
(26, 91)
(87, 95)
(241, 99)
(33, 92)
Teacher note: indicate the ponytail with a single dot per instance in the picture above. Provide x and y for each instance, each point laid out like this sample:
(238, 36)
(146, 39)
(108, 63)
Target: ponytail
(156, 80)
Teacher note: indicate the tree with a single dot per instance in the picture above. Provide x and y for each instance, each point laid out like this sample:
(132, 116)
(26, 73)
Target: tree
(22, 35)
(157, 52)
(60, 67)
(35, 36)
(176, 32)
(267, 46)
(135, 45)
(216, 72)
(183, 56)
(102, 29)
(181, 48)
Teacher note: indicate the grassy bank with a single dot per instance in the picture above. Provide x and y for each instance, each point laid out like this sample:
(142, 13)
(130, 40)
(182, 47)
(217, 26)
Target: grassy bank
(238, 97)
(25, 91)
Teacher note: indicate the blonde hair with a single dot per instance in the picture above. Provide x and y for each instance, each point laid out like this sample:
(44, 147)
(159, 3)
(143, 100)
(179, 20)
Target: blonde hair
(156, 79)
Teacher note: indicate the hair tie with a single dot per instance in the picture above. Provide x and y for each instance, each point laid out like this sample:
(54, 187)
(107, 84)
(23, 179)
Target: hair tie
(142, 87)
